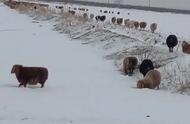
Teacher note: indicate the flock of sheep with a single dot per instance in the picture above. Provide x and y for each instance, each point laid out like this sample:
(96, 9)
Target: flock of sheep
(152, 77)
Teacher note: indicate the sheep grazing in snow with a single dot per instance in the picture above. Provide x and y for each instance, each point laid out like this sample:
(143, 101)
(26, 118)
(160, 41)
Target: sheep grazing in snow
(59, 7)
(91, 16)
(125, 21)
(113, 20)
(130, 24)
(119, 21)
(146, 66)
(185, 47)
(136, 24)
(100, 18)
(85, 16)
(153, 27)
(71, 12)
(105, 11)
(143, 25)
(151, 80)
(129, 64)
(30, 75)
(97, 18)
(171, 42)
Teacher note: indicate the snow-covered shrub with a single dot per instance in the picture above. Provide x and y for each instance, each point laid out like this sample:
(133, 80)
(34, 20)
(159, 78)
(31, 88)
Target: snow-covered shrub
(176, 76)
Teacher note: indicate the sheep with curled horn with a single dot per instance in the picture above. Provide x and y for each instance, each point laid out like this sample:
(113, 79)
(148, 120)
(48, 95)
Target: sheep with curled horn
(143, 25)
(151, 80)
(153, 27)
(171, 42)
(30, 75)
(186, 47)
(129, 64)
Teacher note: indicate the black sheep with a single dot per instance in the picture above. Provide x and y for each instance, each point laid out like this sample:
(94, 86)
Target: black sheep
(102, 18)
(171, 42)
(30, 75)
(146, 66)
(97, 18)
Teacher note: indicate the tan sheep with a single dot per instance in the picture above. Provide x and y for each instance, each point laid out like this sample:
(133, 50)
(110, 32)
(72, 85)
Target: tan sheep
(125, 21)
(130, 24)
(185, 47)
(151, 80)
(153, 27)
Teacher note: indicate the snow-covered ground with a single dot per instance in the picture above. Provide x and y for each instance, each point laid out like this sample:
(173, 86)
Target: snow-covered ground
(83, 87)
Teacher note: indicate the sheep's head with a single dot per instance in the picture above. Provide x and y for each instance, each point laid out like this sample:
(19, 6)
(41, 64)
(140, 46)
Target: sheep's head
(140, 84)
(144, 83)
(16, 69)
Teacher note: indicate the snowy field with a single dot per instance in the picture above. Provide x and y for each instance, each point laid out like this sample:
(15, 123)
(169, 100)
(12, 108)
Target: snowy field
(83, 87)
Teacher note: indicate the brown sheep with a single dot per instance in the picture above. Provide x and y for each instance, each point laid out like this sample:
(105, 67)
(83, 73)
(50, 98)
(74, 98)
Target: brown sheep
(151, 80)
(136, 24)
(143, 25)
(185, 47)
(129, 64)
(153, 27)
(71, 12)
(30, 75)
(113, 20)
(119, 21)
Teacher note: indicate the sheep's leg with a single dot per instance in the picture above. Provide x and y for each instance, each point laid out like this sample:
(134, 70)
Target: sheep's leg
(171, 49)
(158, 87)
(151, 86)
(20, 84)
(24, 84)
(126, 71)
(130, 72)
(42, 85)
